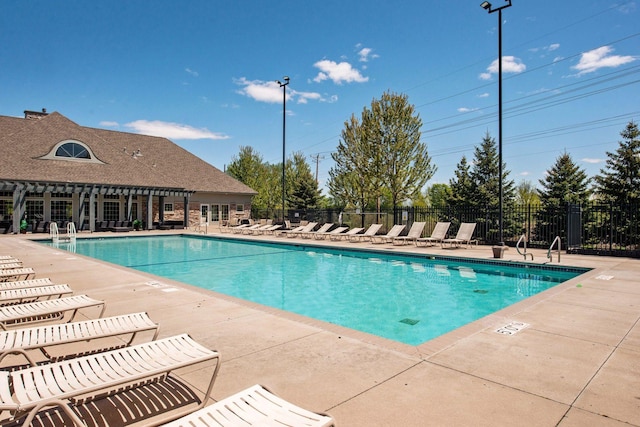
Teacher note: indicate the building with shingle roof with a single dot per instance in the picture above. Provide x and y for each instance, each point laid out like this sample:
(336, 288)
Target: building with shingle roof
(52, 169)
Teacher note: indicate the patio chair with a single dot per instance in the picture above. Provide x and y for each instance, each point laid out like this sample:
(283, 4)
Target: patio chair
(281, 233)
(4, 261)
(323, 229)
(414, 233)
(336, 231)
(32, 283)
(269, 230)
(60, 384)
(438, 234)
(48, 310)
(255, 228)
(254, 406)
(13, 274)
(347, 235)
(306, 229)
(391, 234)
(464, 235)
(22, 295)
(367, 235)
(9, 265)
(238, 228)
(22, 342)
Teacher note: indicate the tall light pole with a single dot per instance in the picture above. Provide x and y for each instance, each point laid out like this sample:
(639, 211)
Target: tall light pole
(283, 84)
(487, 6)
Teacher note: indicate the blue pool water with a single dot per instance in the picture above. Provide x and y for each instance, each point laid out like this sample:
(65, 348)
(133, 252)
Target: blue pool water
(410, 299)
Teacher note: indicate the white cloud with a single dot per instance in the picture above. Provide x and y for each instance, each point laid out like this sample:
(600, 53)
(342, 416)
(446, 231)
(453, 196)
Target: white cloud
(483, 95)
(172, 130)
(190, 71)
(525, 173)
(510, 64)
(109, 124)
(271, 92)
(598, 58)
(365, 54)
(553, 47)
(466, 110)
(339, 73)
(593, 161)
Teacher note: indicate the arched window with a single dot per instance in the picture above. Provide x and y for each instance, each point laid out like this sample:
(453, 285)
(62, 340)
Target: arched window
(72, 150)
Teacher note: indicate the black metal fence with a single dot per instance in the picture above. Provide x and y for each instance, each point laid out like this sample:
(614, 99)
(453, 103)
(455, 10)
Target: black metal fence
(595, 228)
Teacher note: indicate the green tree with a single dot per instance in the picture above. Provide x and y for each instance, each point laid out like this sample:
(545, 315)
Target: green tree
(381, 154)
(564, 183)
(526, 193)
(485, 176)
(461, 185)
(249, 168)
(438, 195)
(347, 183)
(304, 192)
(619, 181)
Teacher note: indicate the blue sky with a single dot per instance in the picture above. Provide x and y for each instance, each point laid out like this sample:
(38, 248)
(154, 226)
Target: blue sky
(202, 73)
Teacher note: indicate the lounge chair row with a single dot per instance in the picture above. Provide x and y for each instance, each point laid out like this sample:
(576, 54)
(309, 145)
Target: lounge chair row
(64, 383)
(464, 234)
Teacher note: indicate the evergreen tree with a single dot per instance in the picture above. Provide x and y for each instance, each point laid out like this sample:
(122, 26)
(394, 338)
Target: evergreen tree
(485, 177)
(564, 183)
(461, 186)
(619, 182)
(304, 193)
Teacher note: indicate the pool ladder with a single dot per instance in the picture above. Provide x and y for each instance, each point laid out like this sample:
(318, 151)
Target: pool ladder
(549, 255)
(524, 253)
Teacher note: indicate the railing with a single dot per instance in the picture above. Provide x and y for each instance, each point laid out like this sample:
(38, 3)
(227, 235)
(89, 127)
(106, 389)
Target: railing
(557, 239)
(524, 253)
(71, 231)
(53, 232)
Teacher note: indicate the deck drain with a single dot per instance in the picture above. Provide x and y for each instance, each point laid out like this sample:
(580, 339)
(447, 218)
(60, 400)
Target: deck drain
(409, 321)
(480, 291)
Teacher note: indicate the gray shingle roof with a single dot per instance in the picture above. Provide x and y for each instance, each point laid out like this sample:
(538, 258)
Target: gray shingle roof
(163, 164)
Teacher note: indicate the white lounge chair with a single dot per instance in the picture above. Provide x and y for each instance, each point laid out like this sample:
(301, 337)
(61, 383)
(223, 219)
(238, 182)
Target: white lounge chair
(367, 235)
(306, 229)
(52, 309)
(438, 234)
(323, 229)
(254, 406)
(347, 235)
(4, 261)
(6, 257)
(10, 265)
(12, 274)
(335, 232)
(464, 235)
(20, 295)
(23, 341)
(32, 283)
(238, 229)
(414, 233)
(269, 230)
(280, 233)
(58, 384)
(391, 234)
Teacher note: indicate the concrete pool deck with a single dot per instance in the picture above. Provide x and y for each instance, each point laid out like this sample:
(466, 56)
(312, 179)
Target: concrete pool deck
(576, 364)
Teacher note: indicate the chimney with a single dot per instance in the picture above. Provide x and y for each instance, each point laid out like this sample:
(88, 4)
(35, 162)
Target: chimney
(35, 114)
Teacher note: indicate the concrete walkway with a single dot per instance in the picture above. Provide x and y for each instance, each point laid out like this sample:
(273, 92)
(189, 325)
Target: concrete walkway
(577, 364)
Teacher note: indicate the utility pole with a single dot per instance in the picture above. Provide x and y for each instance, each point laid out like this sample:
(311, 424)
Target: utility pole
(317, 158)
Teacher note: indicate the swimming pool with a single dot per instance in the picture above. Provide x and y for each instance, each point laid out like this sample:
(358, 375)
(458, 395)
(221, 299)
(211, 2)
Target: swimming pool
(410, 299)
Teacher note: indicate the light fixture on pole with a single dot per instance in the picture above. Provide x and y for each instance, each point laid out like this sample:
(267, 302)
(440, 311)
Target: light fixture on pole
(283, 84)
(487, 6)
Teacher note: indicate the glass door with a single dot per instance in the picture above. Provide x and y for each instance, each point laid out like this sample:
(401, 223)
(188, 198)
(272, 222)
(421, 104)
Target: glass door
(204, 214)
(215, 214)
